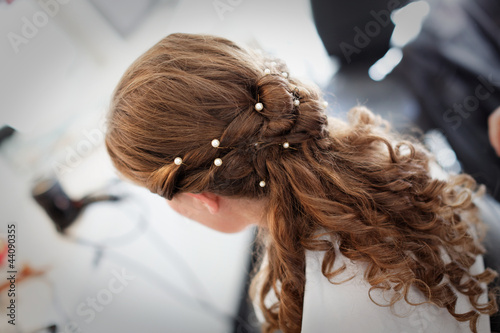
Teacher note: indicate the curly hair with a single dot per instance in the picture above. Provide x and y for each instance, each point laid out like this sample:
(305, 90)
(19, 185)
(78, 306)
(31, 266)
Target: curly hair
(357, 182)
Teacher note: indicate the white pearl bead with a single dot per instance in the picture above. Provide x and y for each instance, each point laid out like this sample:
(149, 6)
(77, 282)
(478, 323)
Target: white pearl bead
(267, 71)
(286, 145)
(285, 74)
(259, 106)
(178, 161)
(215, 143)
(273, 63)
(262, 183)
(218, 162)
(325, 104)
(296, 102)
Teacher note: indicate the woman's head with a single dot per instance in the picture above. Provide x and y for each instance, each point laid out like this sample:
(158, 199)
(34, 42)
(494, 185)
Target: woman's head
(357, 183)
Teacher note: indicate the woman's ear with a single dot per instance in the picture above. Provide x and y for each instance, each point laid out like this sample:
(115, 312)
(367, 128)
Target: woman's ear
(209, 200)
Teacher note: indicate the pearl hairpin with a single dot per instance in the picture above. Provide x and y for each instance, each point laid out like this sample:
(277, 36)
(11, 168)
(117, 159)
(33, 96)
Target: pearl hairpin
(178, 161)
(215, 144)
(262, 183)
(267, 71)
(286, 145)
(285, 74)
(259, 106)
(325, 104)
(296, 102)
(273, 63)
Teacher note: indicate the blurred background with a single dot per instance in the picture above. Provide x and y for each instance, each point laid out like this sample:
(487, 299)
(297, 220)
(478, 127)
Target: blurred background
(96, 254)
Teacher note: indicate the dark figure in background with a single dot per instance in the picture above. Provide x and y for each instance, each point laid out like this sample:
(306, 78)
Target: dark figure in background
(356, 32)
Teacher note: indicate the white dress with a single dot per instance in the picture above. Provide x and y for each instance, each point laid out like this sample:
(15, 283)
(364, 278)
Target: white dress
(346, 307)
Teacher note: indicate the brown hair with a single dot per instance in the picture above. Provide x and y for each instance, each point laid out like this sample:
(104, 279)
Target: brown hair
(356, 182)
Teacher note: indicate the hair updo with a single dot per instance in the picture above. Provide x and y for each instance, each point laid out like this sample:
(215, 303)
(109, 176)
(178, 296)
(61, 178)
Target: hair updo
(358, 183)
(188, 90)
